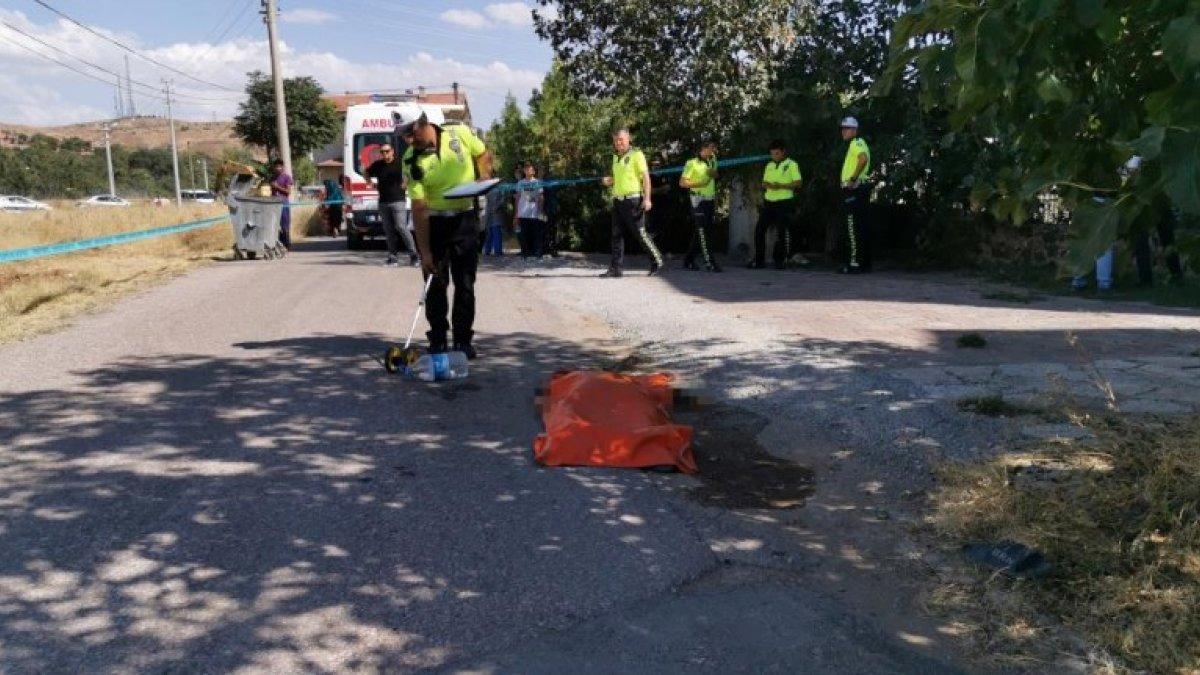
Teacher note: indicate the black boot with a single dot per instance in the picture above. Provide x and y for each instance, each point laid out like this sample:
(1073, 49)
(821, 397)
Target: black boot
(437, 343)
(612, 273)
(466, 349)
(654, 268)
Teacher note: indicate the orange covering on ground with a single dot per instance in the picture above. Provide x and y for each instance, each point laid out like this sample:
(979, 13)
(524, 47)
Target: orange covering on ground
(598, 418)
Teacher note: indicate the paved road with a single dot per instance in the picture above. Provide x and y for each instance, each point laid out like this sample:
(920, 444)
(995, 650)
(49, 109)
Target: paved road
(215, 475)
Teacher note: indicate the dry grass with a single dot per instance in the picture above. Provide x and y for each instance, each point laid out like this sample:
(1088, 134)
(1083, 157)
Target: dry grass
(1119, 518)
(41, 295)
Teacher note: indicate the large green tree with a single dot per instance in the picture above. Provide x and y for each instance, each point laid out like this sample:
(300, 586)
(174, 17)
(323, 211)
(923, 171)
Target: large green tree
(312, 120)
(697, 65)
(1071, 89)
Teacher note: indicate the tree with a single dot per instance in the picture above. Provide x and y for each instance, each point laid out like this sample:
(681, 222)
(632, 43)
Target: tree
(511, 139)
(1071, 90)
(698, 65)
(312, 120)
(567, 134)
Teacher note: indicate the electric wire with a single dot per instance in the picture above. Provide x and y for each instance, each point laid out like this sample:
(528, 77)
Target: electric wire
(130, 49)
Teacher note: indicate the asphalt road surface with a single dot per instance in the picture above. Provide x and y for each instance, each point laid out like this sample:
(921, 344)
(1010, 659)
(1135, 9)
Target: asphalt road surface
(217, 475)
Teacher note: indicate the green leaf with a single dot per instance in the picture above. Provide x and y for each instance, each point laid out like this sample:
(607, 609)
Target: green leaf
(1088, 12)
(964, 59)
(1051, 89)
(1149, 144)
(1181, 169)
(1181, 45)
(1095, 227)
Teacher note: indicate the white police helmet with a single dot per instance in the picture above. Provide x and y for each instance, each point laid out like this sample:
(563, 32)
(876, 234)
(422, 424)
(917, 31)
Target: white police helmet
(849, 123)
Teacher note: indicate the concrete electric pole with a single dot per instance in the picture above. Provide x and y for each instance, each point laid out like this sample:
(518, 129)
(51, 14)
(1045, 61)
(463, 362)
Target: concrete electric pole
(174, 145)
(112, 183)
(285, 147)
(204, 163)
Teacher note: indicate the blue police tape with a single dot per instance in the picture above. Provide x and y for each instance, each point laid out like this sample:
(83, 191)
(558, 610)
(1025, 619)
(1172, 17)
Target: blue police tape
(567, 182)
(32, 252)
(564, 182)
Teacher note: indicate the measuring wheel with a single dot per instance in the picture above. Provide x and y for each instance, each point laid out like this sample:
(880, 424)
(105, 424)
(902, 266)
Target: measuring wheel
(397, 358)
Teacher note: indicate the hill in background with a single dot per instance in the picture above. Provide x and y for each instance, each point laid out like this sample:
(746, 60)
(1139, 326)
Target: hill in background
(208, 138)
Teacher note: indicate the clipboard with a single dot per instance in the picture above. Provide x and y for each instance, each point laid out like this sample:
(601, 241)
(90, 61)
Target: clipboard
(472, 189)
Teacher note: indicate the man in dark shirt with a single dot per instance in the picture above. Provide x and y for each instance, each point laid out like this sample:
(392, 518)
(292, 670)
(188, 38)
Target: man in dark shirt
(387, 173)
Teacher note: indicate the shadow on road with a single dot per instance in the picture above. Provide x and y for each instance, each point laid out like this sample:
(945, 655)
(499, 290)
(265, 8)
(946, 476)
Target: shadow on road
(290, 507)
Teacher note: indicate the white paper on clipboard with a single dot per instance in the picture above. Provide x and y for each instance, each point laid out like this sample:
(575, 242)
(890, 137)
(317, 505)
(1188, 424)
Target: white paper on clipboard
(472, 189)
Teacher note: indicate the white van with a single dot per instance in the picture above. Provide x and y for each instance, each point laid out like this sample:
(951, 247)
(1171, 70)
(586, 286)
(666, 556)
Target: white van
(369, 126)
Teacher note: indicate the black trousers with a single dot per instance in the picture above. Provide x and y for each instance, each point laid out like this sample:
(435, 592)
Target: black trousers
(1143, 252)
(778, 215)
(550, 240)
(454, 242)
(628, 219)
(856, 227)
(702, 220)
(533, 237)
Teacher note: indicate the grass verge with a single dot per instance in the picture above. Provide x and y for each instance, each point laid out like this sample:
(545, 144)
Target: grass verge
(41, 295)
(1119, 519)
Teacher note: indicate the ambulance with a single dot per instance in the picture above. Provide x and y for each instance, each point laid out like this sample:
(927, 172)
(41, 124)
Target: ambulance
(368, 127)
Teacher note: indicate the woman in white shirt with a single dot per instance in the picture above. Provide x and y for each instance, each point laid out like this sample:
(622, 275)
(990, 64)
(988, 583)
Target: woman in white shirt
(529, 217)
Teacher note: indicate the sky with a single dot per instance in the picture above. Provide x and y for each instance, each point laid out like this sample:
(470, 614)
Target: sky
(488, 46)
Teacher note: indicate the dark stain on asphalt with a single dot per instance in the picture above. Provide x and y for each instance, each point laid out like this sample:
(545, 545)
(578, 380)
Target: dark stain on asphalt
(737, 472)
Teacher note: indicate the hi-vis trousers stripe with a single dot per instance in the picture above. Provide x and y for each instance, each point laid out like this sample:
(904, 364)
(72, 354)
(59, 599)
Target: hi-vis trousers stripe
(853, 240)
(650, 247)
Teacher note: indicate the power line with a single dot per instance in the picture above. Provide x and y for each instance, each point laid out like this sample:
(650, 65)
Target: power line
(132, 50)
(236, 20)
(84, 73)
(68, 66)
(224, 16)
(63, 52)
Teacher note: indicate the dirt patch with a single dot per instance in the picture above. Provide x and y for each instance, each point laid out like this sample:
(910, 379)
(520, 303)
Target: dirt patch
(736, 471)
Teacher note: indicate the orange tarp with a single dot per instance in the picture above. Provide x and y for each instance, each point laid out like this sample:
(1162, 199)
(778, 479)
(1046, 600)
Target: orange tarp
(598, 418)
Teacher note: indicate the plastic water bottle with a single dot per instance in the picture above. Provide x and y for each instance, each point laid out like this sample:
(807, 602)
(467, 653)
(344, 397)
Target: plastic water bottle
(434, 367)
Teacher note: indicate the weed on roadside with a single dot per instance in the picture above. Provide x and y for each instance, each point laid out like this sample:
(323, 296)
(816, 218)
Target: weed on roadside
(971, 341)
(1119, 520)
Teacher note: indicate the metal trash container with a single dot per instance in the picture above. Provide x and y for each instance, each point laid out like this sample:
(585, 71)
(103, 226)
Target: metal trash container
(255, 219)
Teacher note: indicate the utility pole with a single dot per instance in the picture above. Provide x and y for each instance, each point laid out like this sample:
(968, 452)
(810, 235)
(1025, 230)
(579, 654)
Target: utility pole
(174, 145)
(204, 163)
(129, 109)
(281, 127)
(192, 167)
(112, 183)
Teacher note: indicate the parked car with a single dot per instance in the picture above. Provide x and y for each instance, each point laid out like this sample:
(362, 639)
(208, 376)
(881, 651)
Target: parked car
(18, 203)
(198, 196)
(102, 200)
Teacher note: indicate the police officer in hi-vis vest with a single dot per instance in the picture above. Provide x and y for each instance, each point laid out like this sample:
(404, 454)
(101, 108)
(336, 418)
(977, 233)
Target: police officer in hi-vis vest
(447, 236)
(631, 199)
(781, 179)
(856, 196)
(700, 178)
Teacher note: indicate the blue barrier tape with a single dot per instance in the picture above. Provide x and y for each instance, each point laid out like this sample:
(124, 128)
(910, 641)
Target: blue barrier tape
(32, 252)
(503, 188)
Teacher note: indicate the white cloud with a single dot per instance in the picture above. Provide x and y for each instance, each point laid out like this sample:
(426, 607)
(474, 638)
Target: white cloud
(311, 17)
(36, 91)
(510, 13)
(464, 18)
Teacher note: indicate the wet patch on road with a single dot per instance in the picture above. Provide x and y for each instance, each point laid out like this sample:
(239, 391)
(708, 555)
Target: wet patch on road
(736, 472)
